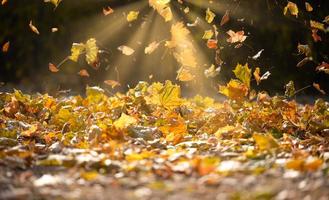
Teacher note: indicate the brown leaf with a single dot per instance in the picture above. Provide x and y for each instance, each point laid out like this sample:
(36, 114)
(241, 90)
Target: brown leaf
(112, 83)
(225, 18)
(107, 10)
(317, 86)
(83, 73)
(53, 68)
(5, 47)
(315, 35)
(33, 28)
(324, 67)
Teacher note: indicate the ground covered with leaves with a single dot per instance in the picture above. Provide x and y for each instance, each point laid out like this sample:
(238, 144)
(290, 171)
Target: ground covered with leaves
(151, 143)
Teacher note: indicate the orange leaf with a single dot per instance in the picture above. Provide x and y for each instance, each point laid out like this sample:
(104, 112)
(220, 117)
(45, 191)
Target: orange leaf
(53, 68)
(5, 47)
(317, 86)
(83, 73)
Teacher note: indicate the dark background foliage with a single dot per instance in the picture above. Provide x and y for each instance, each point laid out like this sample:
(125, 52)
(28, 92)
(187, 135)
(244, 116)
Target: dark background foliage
(25, 66)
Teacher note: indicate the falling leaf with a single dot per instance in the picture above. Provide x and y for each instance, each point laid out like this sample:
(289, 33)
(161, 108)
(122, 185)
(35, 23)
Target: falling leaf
(112, 83)
(292, 7)
(83, 73)
(186, 58)
(317, 25)
(91, 52)
(126, 50)
(304, 61)
(304, 49)
(53, 68)
(317, 86)
(107, 10)
(210, 16)
(55, 2)
(290, 89)
(33, 28)
(151, 47)
(326, 20)
(184, 75)
(212, 71)
(53, 30)
(308, 7)
(234, 90)
(76, 50)
(132, 16)
(243, 73)
(315, 36)
(236, 36)
(3, 2)
(324, 67)
(225, 18)
(255, 57)
(5, 47)
(257, 75)
(208, 34)
(265, 141)
(195, 23)
(163, 8)
(212, 44)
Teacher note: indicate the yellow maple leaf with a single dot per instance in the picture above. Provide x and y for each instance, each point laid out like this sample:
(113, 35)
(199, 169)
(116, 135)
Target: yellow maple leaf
(243, 73)
(132, 16)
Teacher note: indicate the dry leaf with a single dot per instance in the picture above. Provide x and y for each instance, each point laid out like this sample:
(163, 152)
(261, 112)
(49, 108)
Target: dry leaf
(317, 25)
(292, 7)
(163, 8)
(151, 47)
(132, 16)
(212, 71)
(126, 50)
(317, 86)
(184, 75)
(308, 7)
(3, 2)
(83, 73)
(112, 83)
(53, 30)
(255, 57)
(33, 28)
(5, 47)
(55, 2)
(208, 34)
(315, 36)
(107, 10)
(236, 36)
(225, 18)
(210, 16)
(324, 67)
(53, 68)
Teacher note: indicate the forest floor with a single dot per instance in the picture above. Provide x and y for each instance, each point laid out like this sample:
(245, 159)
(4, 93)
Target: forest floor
(151, 143)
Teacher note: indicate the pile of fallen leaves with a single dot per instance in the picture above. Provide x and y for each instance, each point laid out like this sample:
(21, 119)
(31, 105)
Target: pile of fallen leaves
(151, 135)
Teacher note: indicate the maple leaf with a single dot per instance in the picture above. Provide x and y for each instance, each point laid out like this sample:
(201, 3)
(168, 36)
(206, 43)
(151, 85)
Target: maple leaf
(91, 51)
(167, 95)
(265, 142)
(124, 121)
(243, 73)
(234, 90)
(76, 50)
